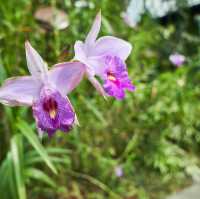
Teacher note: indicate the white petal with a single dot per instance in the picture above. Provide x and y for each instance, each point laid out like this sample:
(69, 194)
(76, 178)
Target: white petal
(20, 91)
(80, 51)
(66, 76)
(113, 46)
(36, 65)
(97, 85)
(76, 122)
(94, 31)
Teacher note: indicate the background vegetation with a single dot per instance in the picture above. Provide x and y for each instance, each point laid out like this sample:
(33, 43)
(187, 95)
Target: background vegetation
(153, 135)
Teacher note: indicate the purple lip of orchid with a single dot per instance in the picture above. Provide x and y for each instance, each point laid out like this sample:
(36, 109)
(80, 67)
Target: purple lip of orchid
(52, 111)
(94, 54)
(116, 78)
(45, 91)
(177, 59)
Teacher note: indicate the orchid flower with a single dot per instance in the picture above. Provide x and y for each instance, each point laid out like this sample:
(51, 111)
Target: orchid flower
(45, 91)
(177, 59)
(105, 57)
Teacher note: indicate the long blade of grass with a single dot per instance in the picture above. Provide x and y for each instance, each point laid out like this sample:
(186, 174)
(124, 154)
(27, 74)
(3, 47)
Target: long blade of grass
(38, 159)
(39, 176)
(7, 180)
(17, 166)
(10, 181)
(34, 141)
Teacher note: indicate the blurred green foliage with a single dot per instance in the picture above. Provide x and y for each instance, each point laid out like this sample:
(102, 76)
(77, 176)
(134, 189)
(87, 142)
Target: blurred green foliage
(153, 134)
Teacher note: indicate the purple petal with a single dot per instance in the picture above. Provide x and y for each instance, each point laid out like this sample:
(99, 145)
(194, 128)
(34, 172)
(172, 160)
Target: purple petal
(94, 31)
(97, 85)
(177, 59)
(119, 171)
(113, 46)
(53, 112)
(66, 76)
(35, 63)
(116, 79)
(76, 122)
(20, 91)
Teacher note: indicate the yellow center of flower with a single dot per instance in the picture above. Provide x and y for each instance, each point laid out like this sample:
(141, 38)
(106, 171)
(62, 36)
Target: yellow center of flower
(52, 113)
(111, 77)
(51, 107)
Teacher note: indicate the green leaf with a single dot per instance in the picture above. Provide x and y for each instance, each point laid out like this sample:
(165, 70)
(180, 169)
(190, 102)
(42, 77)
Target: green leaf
(34, 141)
(56, 155)
(10, 181)
(37, 159)
(17, 166)
(7, 180)
(40, 176)
(107, 25)
(3, 74)
(61, 151)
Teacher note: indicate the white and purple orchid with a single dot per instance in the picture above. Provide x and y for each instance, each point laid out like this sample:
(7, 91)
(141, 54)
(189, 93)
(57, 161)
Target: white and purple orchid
(105, 57)
(177, 59)
(45, 91)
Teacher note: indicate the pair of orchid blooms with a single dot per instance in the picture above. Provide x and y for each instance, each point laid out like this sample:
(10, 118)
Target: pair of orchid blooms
(46, 90)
